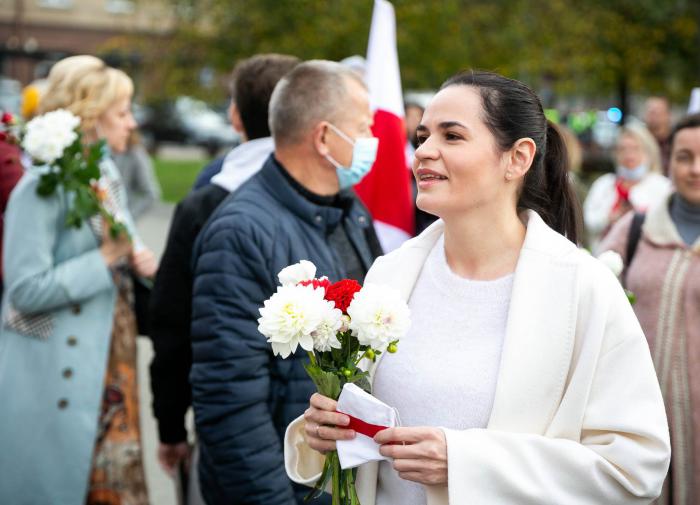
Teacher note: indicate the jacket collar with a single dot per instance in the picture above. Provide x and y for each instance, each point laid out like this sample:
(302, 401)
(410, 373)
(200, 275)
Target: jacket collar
(540, 327)
(660, 229)
(320, 216)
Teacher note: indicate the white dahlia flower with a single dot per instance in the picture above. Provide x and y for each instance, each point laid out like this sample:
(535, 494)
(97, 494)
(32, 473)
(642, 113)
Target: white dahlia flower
(326, 334)
(294, 274)
(613, 261)
(48, 135)
(291, 316)
(378, 316)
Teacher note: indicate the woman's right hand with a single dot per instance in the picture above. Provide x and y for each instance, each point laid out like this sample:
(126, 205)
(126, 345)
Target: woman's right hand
(113, 249)
(323, 425)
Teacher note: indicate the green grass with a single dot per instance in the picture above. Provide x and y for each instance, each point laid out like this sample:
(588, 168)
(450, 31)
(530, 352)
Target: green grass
(177, 176)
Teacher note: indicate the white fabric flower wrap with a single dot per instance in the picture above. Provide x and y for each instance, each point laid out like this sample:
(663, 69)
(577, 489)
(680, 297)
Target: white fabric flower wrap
(48, 135)
(294, 274)
(613, 261)
(291, 316)
(378, 316)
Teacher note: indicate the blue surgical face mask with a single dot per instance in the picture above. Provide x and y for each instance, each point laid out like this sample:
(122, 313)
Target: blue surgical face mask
(364, 152)
(633, 174)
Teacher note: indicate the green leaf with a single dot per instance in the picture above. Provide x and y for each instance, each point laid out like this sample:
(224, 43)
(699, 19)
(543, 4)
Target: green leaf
(73, 219)
(85, 203)
(47, 184)
(327, 383)
(361, 380)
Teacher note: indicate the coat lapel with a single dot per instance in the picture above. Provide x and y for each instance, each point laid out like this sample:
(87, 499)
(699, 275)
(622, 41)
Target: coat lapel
(539, 338)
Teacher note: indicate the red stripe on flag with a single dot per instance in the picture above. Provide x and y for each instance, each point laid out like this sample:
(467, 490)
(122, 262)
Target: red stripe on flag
(367, 429)
(386, 189)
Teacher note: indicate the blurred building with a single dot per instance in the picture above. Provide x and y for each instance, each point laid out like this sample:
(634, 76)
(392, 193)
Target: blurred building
(36, 33)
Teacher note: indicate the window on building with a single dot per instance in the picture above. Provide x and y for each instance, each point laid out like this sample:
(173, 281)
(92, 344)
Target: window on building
(120, 6)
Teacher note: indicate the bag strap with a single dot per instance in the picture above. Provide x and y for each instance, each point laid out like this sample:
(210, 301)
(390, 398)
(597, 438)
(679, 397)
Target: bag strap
(635, 234)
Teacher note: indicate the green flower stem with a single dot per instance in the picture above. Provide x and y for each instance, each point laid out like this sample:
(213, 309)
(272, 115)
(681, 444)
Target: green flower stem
(363, 356)
(312, 357)
(336, 478)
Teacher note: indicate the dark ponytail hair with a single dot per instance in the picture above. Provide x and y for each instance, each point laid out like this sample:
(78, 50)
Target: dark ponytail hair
(512, 111)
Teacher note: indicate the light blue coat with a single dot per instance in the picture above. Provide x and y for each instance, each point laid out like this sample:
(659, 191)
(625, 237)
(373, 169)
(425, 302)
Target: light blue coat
(51, 389)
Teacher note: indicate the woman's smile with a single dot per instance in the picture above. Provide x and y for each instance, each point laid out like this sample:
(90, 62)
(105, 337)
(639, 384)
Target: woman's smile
(427, 178)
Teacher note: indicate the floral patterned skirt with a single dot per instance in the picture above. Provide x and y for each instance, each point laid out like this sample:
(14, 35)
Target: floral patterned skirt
(117, 476)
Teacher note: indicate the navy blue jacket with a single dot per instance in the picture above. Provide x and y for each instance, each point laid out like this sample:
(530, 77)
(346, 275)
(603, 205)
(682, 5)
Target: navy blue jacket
(205, 175)
(243, 396)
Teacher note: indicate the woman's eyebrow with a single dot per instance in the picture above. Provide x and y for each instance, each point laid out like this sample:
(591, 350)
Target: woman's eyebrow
(443, 126)
(449, 124)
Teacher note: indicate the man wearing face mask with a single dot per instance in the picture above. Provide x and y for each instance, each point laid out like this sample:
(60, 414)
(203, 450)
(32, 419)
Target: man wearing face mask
(300, 205)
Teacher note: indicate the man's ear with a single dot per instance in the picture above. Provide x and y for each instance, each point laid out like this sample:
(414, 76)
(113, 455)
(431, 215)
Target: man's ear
(320, 138)
(235, 117)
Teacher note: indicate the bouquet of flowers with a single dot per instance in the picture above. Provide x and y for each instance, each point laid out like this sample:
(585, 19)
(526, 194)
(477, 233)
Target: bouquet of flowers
(55, 144)
(338, 324)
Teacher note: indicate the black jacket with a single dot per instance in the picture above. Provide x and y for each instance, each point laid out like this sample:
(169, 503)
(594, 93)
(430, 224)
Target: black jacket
(170, 310)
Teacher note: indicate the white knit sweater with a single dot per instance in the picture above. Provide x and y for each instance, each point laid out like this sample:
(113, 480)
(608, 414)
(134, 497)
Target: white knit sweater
(445, 371)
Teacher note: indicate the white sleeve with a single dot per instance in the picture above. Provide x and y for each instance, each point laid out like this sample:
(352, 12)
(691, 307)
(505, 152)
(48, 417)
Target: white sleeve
(599, 204)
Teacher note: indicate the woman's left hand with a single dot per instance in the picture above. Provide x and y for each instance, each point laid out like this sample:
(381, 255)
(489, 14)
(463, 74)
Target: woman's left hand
(144, 263)
(419, 454)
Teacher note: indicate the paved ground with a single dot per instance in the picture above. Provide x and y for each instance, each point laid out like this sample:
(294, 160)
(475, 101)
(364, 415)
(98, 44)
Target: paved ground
(153, 228)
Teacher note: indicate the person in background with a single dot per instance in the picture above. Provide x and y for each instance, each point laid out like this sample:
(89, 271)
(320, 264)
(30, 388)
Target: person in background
(300, 205)
(252, 82)
(414, 113)
(575, 154)
(31, 96)
(68, 339)
(636, 184)
(661, 254)
(657, 117)
(11, 171)
(525, 377)
(136, 168)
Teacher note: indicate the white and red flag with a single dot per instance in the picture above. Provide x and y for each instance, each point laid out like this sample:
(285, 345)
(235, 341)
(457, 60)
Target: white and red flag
(386, 190)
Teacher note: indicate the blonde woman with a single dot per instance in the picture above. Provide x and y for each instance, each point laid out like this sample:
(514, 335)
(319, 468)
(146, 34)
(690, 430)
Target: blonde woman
(637, 183)
(69, 431)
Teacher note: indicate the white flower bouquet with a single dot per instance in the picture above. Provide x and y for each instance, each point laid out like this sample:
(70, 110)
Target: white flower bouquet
(338, 324)
(54, 142)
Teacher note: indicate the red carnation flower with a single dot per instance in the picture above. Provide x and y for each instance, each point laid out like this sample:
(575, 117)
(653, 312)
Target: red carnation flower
(316, 283)
(342, 292)
(3, 136)
(7, 118)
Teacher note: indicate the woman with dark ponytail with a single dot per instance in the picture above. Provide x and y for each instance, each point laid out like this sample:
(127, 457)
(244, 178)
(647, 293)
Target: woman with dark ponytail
(525, 378)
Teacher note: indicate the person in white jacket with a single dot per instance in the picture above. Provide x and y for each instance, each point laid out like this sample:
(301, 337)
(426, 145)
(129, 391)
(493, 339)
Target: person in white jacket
(637, 183)
(525, 378)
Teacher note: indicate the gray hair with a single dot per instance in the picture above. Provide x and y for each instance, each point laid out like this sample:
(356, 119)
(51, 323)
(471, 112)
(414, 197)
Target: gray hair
(313, 91)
